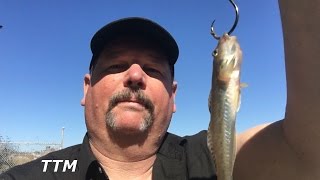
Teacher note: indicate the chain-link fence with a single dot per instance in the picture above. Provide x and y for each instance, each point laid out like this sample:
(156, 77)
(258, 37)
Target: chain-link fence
(16, 153)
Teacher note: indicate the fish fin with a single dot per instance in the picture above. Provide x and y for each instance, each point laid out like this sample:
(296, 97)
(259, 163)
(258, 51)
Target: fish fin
(243, 85)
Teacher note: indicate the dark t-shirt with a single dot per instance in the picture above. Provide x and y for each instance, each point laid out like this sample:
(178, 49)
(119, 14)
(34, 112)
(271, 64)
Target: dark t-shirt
(178, 158)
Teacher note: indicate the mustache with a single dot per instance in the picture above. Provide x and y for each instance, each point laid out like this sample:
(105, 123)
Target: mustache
(128, 95)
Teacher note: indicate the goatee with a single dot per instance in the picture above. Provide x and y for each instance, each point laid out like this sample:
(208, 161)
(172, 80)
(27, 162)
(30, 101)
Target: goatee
(127, 95)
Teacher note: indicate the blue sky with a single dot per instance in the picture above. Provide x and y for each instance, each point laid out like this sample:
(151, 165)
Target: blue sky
(44, 53)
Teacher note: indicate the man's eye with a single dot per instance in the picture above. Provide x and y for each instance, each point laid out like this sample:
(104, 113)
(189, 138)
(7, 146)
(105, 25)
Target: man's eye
(117, 68)
(152, 71)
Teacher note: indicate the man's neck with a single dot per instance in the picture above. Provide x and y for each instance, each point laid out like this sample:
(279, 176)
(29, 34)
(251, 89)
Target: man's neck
(129, 168)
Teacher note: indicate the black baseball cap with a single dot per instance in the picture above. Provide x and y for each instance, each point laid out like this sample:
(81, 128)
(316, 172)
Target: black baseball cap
(135, 26)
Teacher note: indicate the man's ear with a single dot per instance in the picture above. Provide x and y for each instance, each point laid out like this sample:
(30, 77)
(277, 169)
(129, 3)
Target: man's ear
(174, 92)
(86, 85)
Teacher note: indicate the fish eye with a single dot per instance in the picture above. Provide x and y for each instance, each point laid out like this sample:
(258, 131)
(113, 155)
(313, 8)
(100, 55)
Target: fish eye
(215, 52)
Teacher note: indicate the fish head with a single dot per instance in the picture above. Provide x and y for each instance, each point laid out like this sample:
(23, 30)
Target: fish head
(227, 58)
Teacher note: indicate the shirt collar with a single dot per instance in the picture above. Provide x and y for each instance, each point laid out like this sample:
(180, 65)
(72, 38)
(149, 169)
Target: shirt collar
(170, 162)
(90, 167)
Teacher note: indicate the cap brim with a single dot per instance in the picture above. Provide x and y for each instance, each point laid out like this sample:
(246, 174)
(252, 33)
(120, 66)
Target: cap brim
(135, 26)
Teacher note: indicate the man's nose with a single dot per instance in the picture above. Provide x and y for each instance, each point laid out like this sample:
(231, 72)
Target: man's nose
(135, 77)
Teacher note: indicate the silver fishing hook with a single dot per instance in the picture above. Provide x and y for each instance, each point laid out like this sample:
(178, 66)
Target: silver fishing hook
(234, 24)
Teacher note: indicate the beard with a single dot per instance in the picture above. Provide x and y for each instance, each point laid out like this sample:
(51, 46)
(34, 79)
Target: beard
(126, 95)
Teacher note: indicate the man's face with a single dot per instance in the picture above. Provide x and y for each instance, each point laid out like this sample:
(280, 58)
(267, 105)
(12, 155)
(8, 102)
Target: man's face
(129, 91)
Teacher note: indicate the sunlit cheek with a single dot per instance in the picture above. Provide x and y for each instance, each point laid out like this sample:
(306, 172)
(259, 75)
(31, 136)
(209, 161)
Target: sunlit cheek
(166, 106)
(99, 104)
(174, 107)
(167, 115)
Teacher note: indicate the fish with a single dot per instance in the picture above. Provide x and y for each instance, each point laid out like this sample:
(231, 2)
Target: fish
(224, 103)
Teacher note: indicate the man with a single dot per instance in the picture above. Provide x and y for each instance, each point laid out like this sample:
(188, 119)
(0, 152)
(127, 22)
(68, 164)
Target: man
(129, 100)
